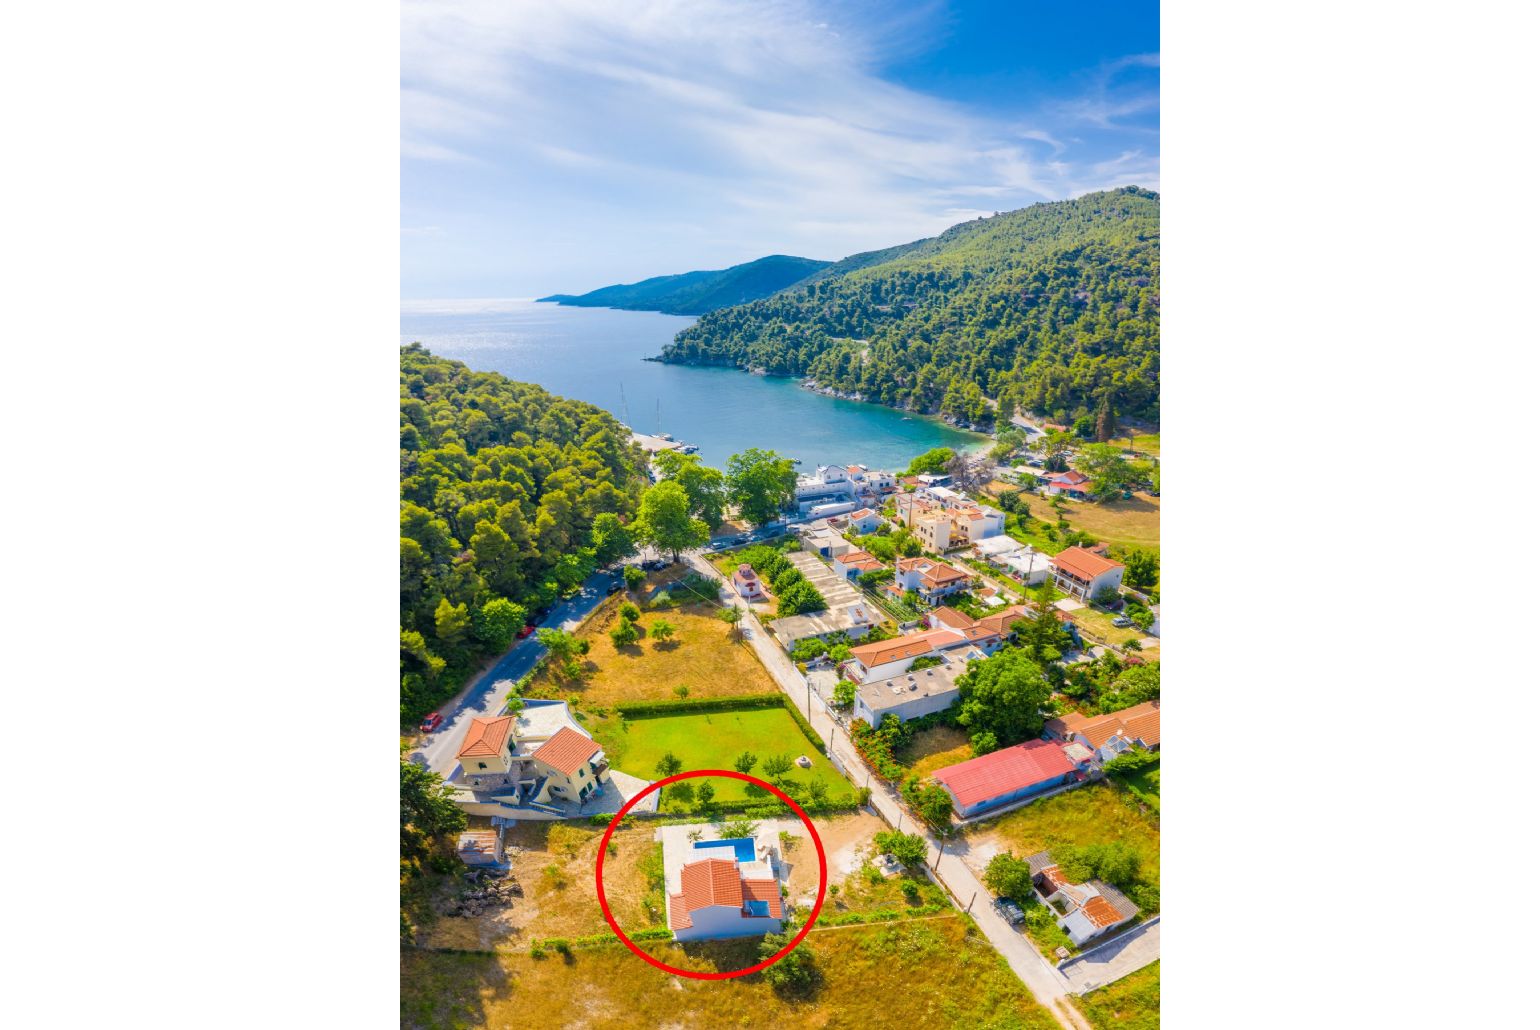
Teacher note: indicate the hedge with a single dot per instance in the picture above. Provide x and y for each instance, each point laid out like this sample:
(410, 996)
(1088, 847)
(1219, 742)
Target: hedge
(686, 706)
(882, 915)
(804, 726)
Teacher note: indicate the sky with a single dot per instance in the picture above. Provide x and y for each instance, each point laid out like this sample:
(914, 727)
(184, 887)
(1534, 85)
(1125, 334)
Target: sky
(562, 146)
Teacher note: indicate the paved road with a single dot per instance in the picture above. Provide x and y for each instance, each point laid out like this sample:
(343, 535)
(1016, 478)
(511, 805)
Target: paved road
(483, 697)
(1115, 959)
(1045, 982)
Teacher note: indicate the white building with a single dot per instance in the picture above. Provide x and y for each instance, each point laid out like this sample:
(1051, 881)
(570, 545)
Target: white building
(865, 520)
(722, 888)
(1082, 910)
(536, 764)
(1084, 574)
(909, 695)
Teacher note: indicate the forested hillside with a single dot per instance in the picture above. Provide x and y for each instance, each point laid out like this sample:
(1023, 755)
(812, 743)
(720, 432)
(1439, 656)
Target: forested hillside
(693, 293)
(1054, 308)
(507, 493)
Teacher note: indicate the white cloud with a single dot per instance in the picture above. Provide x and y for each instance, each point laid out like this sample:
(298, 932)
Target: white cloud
(759, 121)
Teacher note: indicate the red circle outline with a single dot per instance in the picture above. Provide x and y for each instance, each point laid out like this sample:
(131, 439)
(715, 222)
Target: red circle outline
(609, 917)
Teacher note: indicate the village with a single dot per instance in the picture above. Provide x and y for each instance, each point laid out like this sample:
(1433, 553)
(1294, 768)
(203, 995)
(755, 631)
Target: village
(856, 709)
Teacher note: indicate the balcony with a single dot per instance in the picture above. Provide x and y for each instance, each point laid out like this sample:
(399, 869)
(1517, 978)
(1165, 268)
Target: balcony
(599, 765)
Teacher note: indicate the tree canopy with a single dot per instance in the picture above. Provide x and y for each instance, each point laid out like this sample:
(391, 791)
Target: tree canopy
(760, 484)
(1052, 308)
(504, 492)
(1004, 695)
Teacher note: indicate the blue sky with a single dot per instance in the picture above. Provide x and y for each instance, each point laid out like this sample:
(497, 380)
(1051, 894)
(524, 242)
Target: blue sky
(559, 147)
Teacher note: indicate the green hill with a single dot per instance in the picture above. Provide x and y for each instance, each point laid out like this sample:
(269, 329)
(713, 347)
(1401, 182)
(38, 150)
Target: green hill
(1054, 308)
(694, 293)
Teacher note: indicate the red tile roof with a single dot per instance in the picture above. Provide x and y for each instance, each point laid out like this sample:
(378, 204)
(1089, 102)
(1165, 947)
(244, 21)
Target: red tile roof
(1011, 768)
(485, 737)
(859, 560)
(711, 881)
(1100, 912)
(566, 751)
(1000, 621)
(932, 573)
(1141, 722)
(948, 616)
(861, 513)
(914, 645)
(1083, 564)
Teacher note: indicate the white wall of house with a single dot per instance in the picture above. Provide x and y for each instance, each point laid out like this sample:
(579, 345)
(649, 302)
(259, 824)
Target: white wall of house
(906, 708)
(718, 921)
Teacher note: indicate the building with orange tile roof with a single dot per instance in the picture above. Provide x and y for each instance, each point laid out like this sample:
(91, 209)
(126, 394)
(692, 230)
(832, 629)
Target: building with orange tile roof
(1082, 910)
(535, 761)
(720, 889)
(1084, 574)
(1111, 734)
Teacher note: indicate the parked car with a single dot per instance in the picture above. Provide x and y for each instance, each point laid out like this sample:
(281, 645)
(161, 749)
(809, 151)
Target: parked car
(526, 631)
(613, 588)
(1121, 621)
(1010, 911)
(432, 722)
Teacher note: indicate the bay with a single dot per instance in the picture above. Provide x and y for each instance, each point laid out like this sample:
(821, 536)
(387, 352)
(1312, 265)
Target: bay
(596, 355)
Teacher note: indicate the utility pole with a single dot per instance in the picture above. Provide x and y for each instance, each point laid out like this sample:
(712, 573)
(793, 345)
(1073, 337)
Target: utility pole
(900, 820)
(940, 850)
(970, 903)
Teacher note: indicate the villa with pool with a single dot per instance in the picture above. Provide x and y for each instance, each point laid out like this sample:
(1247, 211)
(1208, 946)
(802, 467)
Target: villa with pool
(720, 888)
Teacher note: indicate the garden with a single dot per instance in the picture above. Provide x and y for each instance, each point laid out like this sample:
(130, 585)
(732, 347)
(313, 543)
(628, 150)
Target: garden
(719, 740)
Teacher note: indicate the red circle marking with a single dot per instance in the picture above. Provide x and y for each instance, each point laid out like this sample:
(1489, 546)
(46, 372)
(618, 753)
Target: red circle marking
(609, 917)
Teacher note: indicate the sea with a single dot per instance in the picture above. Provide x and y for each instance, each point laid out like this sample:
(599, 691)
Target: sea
(597, 355)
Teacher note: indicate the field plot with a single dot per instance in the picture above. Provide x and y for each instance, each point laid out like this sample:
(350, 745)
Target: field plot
(701, 657)
(1132, 1003)
(554, 864)
(935, 748)
(898, 975)
(713, 740)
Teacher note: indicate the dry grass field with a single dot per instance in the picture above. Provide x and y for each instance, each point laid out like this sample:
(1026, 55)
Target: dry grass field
(934, 749)
(1132, 1003)
(700, 656)
(932, 973)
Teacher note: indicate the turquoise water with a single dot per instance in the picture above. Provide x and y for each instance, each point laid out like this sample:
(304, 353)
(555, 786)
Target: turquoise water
(595, 354)
(743, 847)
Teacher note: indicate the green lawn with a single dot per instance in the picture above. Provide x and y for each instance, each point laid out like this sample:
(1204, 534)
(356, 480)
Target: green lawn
(1132, 1003)
(712, 741)
(1145, 785)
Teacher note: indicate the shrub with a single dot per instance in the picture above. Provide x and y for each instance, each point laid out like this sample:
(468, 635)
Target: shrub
(794, 974)
(624, 633)
(911, 890)
(661, 631)
(844, 694)
(630, 612)
(554, 877)
(908, 848)
(983, 743)
(681, 692)
(635, 577)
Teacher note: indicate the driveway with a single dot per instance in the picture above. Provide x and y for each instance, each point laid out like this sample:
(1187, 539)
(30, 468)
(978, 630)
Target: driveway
(1114, 960)
(487, 694)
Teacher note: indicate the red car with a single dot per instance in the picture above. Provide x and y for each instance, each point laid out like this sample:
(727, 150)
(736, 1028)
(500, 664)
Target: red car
(526, 631)
(432, 722)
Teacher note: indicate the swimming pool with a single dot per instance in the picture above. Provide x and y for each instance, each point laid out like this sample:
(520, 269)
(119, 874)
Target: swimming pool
(743, 847)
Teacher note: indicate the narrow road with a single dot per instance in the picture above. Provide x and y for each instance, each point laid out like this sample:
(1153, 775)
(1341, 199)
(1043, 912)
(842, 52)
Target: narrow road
(483, 697)
(1045, 982)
